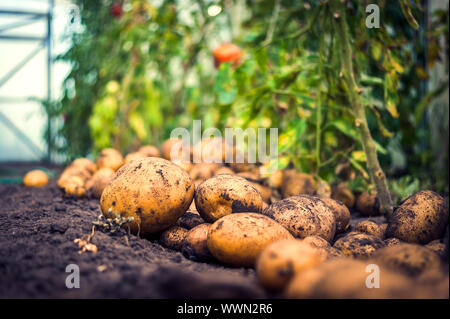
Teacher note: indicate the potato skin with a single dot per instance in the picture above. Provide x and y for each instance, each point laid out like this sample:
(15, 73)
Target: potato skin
(154, 191)
(190, 220)
(368, 204)
(109, 158)
(282, 260)
(420, 218)
(225, 194)
(35, 178)
(84, 163)
(342, 193)
(408, 259)
(203, 171)
(100, 180)
(304, 216)
(149, 151)
(133, 156)
(179, 152)
(195, 243)
(358, 245)
(369, 227)
(173, 237)
(238, 239)
(341, 213)
(295, 183)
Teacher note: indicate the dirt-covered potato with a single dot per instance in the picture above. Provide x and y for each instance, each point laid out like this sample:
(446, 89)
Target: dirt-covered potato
(224, 170)
(304, 216)
(383, 228)
(420, 218)
(99, 181)
(266, 192)
(295, 183)
(74, 186)
(212, 150)
(35, 178)
(316, 241)
(203, 171)
(275, 179)
(195, 243)
(368, 204)
(109, 158)
(346, 278)
(225, 194)
(133, 156)
(342, 193)
(341, 213)
(173, 237)
(250, 176)
(408, 259)
(149, 151)
(358, 245)
(323, 247)
(84, 163)
(238, 239)
(438, 247)
(392, 242)
(281, 260)
(175, 146)
(70, 171)
(154, 191)
(369, 227)
(190, 220)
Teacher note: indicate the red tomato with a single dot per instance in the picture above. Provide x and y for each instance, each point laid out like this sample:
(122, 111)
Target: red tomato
(227, 52)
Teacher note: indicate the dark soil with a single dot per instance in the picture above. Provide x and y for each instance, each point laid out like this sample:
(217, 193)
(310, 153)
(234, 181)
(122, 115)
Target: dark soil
(37, 232)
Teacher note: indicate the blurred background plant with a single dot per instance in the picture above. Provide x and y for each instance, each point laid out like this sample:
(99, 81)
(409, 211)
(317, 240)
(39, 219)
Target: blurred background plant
(141, 68)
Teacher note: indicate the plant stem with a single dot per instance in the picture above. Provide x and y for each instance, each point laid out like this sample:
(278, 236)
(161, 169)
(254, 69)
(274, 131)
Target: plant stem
(319, 107)
(354, 95)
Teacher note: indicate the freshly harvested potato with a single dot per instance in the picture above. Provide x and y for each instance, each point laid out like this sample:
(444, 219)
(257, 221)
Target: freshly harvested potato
(154, 191)
(175, 145)
(238, 239)
(133, 156)
(173, 237)
(70, 171)
(392, 242)
(35, 178)
(74, 186)
(368, 204)
(420, 218)
(323, 189)
(203, 171)
(297, 184)
(223, 170)
(369, 227)
(190, 220)
(438, 247)
(275, 179)
(408, 259)
(346, 278)
(323, 247)
(383, 228)
(109, 158)
(358, 245)
(212, 150)
(84, 163)
(149, 151)
(304, 216)
(225, 194)
(342, 193)
(282, 260)
(316, 241)
(250, 176)
(341, 213)
(195, 243)
(266, 192)
(99, 181)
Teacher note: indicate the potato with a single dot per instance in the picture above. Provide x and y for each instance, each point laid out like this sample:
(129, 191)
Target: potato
(175, 145)
(213, 150)
(323, 247)
(266, 192)
(421, 218)
(346, 278)
(391, 242)
(223, 170)
(368, 204)
(149, 151)
(190, 220)
(250, 176)
(282, 260)
(109, 158)
(438, 247)
(225, 194)
(154, 191)
(369, 227)
(342, 193)
(203, 171)
(408, 259)
(238, 239)
(383, 228)
(341, 213)
(187, 166)
(84, 163)
(358, 245)
(323, 189)
(173, 237)
(195, 243)
(297, 184)
(275, 179)
(70, 171)
(133, 156)
(35, 178)
(99, 181)
(434, 283)
(304, 216)
(74, 186)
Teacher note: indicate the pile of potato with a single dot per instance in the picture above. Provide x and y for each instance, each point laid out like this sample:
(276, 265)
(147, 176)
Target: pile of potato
(293, 229)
